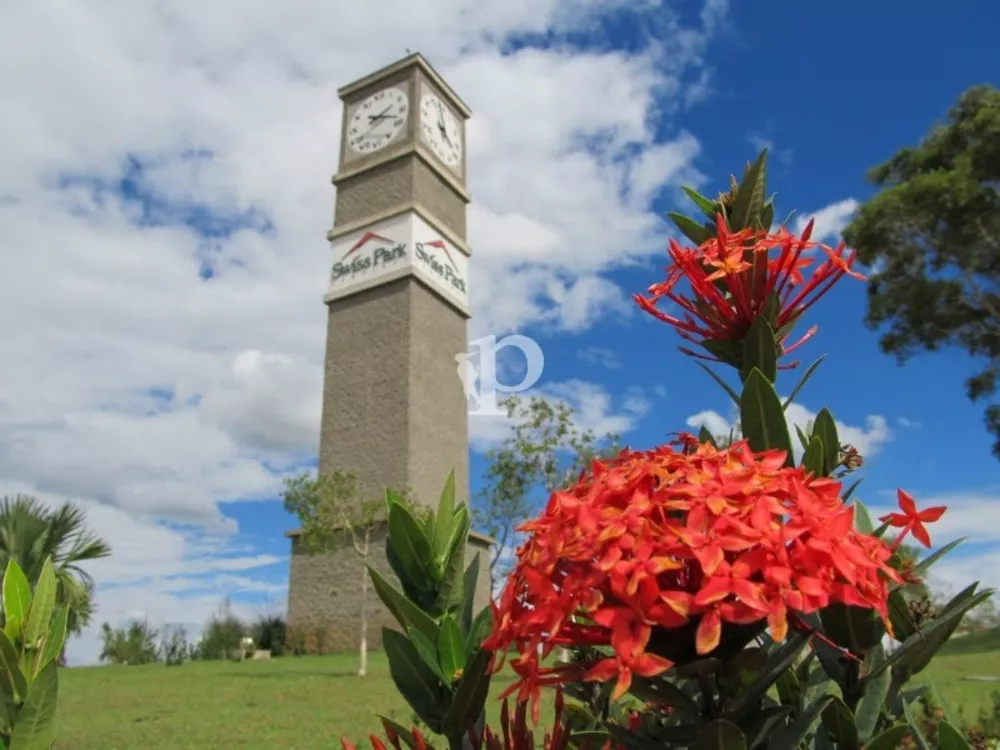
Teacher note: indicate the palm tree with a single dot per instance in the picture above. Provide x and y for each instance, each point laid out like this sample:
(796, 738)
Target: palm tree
(30, 532)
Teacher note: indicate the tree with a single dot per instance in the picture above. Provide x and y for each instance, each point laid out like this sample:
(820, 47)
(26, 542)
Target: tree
(135, 644)
(932, 237)
(30, 532)
(534, 455)
(332, 513)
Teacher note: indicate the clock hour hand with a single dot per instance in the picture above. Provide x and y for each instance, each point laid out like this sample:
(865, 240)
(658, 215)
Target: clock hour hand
(380, 116)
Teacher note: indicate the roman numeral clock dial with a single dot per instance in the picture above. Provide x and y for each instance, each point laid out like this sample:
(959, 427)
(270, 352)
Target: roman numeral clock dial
(377, 120)
(441, 130)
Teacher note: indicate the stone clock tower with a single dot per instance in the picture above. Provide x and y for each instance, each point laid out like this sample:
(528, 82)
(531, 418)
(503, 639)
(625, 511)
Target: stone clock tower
(394, 407)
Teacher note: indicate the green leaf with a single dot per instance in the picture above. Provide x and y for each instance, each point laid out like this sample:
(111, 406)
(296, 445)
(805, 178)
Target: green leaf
(663, 692)
(857, 629)
(709, 207)
(750, 196)
(850, 490)
(870, 706)
(839, 721)
(932, 558)
(54, 640)
(445, 518)
(918, 737)
(406, 735)
(730, 352)
(720, 735)
(691, 228)
(889, 739)
(407, 614)
(42, 605)
(451, 648)
(950, 738)
(12, 681)
(761, 416)
(790, 737)
(16, 599)
(767, 216)
(862, 518)
(722, 383)
(704, 436)
(812, 459)
(802, 381)
(470, 696)
(760, 350)
(779, 660)
(803, 439)
(469, 592)
(826, 429)
(481, 628)
(35, 728)
(450, 594)
(414, 680)
(428, 653)
(412, 547)
(903, 624)
(789, 689)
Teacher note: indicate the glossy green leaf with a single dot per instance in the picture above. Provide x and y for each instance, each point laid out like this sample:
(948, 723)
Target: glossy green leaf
(55, 639)
(414, 680)
(694, 231)
(750, 196)
(445, 518)
(470, 696)
(16, 600)
(779, 660)
(767, 216)
(927, 562)
(852, 488)
(802, 381)
(789, 689)
(709, 207)
(869, 707)
(903, 624)
(858, 629)
(950, 738)
(35, 728)
(839, 721)
(826, 428)
(43, 603)
(889, 739)
(803, 438)
(812, 459)
(428, 653)
(760, 350)
(790, 737)
(451, 648)
(759, 728)
(918, 737)
(12, 681)
(730, 352)
(761, 416)
(449, 598)
(407, 614)
(722, 383)
(720, 735)
(469, 592)
(412, 547)
(663, 692)
(862, 518)
(481, 627)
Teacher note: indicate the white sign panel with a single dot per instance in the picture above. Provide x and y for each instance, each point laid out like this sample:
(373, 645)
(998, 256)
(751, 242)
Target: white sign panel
(396, 247)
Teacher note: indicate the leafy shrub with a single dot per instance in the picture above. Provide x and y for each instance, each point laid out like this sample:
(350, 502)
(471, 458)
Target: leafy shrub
(269, 633)
(221, 637)
(174, 646)
(131, 645)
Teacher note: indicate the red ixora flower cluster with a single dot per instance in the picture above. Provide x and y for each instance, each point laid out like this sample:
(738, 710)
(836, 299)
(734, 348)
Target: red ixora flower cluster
(732, 275)
(659, 539)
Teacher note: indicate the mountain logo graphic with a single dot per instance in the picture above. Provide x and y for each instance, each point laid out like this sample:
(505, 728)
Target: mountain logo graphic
(364, 240)
(439, 244)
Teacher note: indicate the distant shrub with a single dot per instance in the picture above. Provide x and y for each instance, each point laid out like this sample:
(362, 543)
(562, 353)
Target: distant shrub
(222, 635)
(297, 641)
(135, 644)
(269, 634)
(174, 646)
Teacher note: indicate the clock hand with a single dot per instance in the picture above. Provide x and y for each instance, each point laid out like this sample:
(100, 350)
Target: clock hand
(380, 116)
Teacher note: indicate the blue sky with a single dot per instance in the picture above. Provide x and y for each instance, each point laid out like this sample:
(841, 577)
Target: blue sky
(168, 258)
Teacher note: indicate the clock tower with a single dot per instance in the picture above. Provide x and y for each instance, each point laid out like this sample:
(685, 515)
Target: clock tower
(394, 408)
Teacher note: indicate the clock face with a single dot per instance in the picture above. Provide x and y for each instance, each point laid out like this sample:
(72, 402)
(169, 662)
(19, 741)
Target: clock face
(377, 120)
(441, 130)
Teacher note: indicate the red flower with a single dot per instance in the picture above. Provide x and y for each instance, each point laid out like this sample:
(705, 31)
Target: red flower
(912, 520)
(731, 278)
(650, 541)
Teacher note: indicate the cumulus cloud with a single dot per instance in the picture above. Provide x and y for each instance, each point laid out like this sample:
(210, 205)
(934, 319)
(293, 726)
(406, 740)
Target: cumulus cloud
(830, 220)
(163, 206)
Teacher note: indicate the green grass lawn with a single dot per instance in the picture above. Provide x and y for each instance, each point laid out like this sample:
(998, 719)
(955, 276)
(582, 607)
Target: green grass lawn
(301, 703)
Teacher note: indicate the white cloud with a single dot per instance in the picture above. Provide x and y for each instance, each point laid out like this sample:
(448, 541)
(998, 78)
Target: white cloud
(830, 220)
(595, 355)
(147, 393)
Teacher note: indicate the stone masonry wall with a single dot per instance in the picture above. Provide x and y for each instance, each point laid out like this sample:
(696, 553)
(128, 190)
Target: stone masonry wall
(324, 593)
